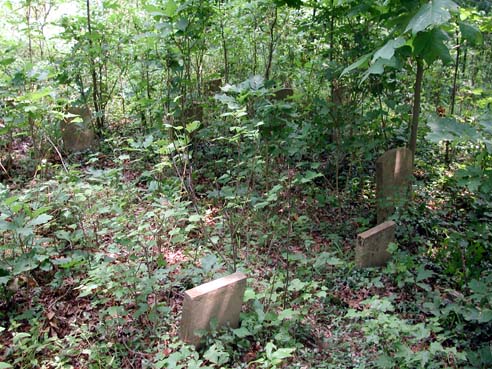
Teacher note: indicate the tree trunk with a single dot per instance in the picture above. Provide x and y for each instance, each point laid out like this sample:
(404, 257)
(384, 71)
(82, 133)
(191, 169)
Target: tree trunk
(95, 84)
(224, 46)
(455, 78)
(271, 46)
(416, 107)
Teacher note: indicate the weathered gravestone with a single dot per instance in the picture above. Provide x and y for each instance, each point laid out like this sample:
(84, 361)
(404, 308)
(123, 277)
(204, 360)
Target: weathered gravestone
(220, 299)
(78, 135)
(372, 245)
(283, 94)
(393, 180)
(212, 86)
(193, 112)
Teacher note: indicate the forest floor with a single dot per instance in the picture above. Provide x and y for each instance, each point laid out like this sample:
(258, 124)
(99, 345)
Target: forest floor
(105, 253)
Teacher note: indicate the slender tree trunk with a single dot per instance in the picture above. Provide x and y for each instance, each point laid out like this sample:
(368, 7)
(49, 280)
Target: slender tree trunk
(28, 22)
(224, 46)
(95, 84)
(455, 77)
(416, 107)
(271, 46)
(255, 48)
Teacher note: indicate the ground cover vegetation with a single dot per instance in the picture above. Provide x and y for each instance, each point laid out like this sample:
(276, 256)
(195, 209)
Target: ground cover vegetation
(186, 181)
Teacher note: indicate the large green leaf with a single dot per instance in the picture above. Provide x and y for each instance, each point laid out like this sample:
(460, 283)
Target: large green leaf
(430, 46)
(449, 129)
(471, 33)
(170, 8)
(388, 50)
(486, 123)
(40, 219)
(430, 15)
(378, 67)
(357, 64)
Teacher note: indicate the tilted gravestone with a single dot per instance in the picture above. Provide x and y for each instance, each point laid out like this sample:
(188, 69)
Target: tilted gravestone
(283, 93)
(212, 86)
(220, 299)
(393, 180)
(78, 135)
(372, 245)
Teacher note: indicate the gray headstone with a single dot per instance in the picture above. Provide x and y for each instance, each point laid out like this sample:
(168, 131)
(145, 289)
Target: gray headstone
(372, 245)
(221, 299)
(393, 181)
(283, 93)
(78, 136)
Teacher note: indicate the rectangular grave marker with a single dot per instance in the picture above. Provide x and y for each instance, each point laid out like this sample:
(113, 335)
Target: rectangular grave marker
(393, 180)
(372, 245)
(78, 136)
(212, 86)
(221, 299)
(283, 94)
(193, 112)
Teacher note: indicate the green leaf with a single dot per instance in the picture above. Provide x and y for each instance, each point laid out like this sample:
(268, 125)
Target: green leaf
(430, 15)
(41, 219)
(37, 95)
(153, 10)
(309, 176)
(478, 287)
(388, 50)
(20, 336)
(4, 365)
(208, 262)
(357, 64)
(378, 67)
(7, 61)
(193, 126)
(249, 294)
(87, 290)
(170, 8)
(182, 24)
(24, 264)
(471, 33)
(242, 332)
(430, 46)
(287, 314)
(277, 355)
(296, 285)
(216, 354)
(485, 316)
(194, 218)
(423, 274)
(449, 129)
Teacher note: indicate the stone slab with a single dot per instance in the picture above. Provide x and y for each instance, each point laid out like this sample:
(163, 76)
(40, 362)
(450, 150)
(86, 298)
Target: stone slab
(193, 112)
(212, 86)
(283, 94)
(221, 299)
(372, 245)
(393, 181)
(78, 136)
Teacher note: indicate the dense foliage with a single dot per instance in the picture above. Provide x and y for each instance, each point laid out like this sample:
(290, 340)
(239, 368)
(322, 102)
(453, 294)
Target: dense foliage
(242, 135)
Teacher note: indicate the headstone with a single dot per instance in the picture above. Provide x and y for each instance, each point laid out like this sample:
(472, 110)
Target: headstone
(213, 86)
(193, 112)
(283, 93)
(393, 180)
(78, 136)
(372, 245)
(220, 299)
